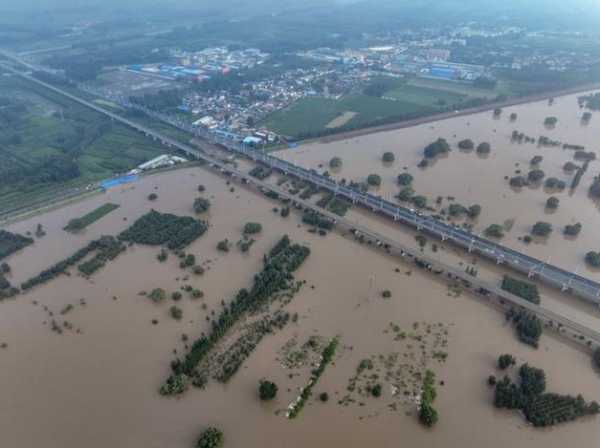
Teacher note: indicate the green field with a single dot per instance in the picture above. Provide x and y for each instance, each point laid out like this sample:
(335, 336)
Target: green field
(310, 116)
(49, 144)
(426, 96)
(82, 222)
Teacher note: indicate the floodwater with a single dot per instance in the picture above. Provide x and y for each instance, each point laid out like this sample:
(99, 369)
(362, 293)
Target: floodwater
(474, 179)
(96, 384)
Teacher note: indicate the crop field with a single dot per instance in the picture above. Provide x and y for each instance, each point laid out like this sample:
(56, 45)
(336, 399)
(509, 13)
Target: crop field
(50, 144)
(310, 116)
(425, 96)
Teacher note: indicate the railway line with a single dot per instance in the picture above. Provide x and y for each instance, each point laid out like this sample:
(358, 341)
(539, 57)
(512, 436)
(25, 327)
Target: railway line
(502, 255)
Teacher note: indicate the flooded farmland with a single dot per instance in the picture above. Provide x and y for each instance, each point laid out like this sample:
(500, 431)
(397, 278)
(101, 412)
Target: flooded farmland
(469, 178)
(96, 384)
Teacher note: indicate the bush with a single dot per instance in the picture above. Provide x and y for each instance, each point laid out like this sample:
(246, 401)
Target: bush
(176, 312)
(251, 228)
(513, 116)
(593, 259)
(491, 380)
(201, 188)
(210, 438)
(550, 121)
(466, 144)
(152, 197)
(494, 231)
(505, 361)
(176, 296)
(374, 180)
(198, 270)
(386, 294)
(388, 157)
(541, 228)
(201, 205)
(405, 179)
(497, 112)
(267, 390)
(324, 397)
(552, 203)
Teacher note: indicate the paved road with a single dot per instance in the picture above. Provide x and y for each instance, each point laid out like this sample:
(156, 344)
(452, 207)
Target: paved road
(378, 204)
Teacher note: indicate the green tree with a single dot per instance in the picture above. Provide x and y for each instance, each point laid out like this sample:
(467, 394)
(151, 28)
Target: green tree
(223, 245)
(474, 211)
(466, 144)
(267, 390)
(374, 180)
(405, 179)
(420, 201)
(201, 205)
(158, 295)
(428, 415)
(535, 175)
(541, 228)
(388, 157)
(596, 357)
(484, 148)
(505, 361)
(494, 231)
(593, 259)
(440, 146)
(335, 162)
(176, 312)
(251, 228)
(552, 203)
(572, 229)
(376, 390)
(210, 438)
(536, 160)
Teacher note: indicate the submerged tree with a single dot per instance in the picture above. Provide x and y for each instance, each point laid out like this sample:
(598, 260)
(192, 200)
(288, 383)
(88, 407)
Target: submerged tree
(210, 438)
(267, 390)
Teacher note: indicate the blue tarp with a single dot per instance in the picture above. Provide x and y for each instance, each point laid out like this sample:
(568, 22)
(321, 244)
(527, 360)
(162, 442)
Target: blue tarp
(118, 181)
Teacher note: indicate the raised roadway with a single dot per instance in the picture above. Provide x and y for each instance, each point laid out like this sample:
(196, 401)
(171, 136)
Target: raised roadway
(553, 275)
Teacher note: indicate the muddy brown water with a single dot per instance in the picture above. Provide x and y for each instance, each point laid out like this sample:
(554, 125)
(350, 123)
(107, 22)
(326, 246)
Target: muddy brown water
(98, 387)
(475, 179)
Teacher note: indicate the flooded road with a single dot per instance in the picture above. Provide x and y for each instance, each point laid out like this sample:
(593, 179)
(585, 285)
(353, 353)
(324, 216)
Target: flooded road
(95, 385)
